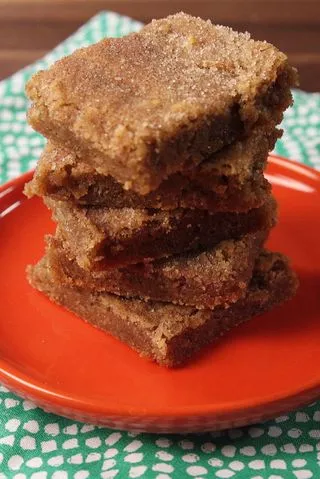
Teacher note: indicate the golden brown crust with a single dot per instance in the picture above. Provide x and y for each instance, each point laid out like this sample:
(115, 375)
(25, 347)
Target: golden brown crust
(167, 333)
(231, 180)
(206, 279)
(154, 103)
(101, 238)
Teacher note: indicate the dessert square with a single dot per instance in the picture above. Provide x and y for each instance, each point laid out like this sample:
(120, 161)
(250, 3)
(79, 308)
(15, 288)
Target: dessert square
(157, 102)
(167, 333)
(101, 238)
(219, 275)
(230, 180)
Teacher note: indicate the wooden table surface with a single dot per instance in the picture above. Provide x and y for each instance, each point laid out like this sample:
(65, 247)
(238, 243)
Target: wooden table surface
(29, 28)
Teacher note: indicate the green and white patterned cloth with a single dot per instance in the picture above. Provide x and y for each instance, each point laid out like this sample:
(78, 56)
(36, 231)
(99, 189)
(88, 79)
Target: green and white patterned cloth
(38, 445)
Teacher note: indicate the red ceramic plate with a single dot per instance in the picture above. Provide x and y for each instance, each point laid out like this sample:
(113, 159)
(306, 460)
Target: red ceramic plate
(263, 368)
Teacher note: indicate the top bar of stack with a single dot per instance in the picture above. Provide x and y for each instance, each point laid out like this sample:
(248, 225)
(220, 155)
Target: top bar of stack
(158, 102)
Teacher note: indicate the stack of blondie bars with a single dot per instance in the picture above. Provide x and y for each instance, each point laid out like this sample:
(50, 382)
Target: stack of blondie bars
(154, 174)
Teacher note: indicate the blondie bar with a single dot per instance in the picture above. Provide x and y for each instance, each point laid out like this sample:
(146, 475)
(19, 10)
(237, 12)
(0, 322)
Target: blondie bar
(206, 279)
(143, 107)
(101, 238)
(167, 333)
(231, 180)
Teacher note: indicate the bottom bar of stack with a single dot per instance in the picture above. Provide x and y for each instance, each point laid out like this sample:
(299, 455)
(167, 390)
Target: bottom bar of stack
(167, 333)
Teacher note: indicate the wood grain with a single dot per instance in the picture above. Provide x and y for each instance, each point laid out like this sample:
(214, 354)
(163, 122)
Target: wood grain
(29, 28)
